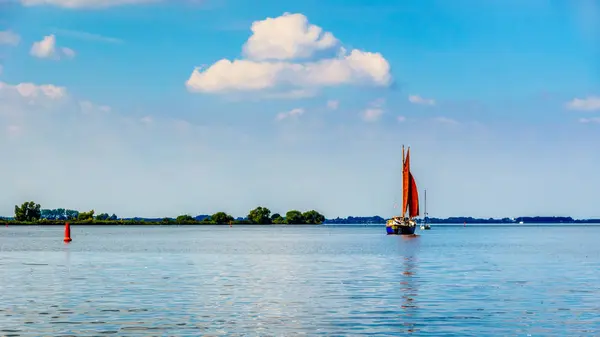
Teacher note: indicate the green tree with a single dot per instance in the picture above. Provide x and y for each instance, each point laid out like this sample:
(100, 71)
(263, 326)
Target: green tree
(29, 211)
(313, 217)
(113, 217)
(184, 218)
(294, 217)
(83, 216)
(277, 219)
(221, 218)
(260, 215)
(102, 216)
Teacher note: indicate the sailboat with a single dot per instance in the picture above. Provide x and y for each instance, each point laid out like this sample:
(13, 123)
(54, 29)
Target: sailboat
(425, 225)
(403, 224)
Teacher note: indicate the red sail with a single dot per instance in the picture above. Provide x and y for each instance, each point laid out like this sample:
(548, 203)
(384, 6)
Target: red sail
(405, 182)
(413, 202)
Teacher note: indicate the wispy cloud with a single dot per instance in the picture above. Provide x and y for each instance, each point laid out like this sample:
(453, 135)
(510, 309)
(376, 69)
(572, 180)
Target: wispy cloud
(88, 107)
(590, 103)
(589, 120)
(294, 113)
(416, 99)
(333, 104)
(87, 36)
(374, 112)
(9, 37)
(446, 120)
(85, 4)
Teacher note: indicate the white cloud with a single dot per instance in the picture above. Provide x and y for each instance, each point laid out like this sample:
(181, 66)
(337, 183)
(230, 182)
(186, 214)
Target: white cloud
(356, 68)
(372, 114)
(401, 119)
(288, 36)
(31, 90)
(88, 107)
(590, 103)
(294, 113)
(21, 102)
(85, 4)
(8, 37)
(46, 48)
(375, 110)
(589, 120)
(333, 104)
(416, 99)
(147, 120)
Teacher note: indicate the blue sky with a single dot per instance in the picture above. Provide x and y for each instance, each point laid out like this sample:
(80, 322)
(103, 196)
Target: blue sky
(160, 108)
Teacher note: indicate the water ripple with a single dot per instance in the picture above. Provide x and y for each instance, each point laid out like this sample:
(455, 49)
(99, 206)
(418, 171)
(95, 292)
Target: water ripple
(331, 281)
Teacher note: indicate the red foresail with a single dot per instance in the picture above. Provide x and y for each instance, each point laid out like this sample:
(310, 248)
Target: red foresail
(413, 201)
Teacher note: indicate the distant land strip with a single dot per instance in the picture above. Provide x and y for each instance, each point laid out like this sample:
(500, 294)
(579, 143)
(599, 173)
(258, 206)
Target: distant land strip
(30, 213)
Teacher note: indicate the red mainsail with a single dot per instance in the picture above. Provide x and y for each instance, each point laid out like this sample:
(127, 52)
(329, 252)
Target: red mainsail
(413, 201)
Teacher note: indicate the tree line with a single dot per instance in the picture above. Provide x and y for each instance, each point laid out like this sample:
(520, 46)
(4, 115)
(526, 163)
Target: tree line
(31, 212)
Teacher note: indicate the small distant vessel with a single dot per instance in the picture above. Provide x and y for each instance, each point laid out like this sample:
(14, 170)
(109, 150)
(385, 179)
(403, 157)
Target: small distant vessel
(425, 225)
(403, 225)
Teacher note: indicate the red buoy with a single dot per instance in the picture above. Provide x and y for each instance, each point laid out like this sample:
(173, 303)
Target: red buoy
(67, 232)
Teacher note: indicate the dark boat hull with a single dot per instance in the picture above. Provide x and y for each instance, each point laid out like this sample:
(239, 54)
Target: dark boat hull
(401, 230)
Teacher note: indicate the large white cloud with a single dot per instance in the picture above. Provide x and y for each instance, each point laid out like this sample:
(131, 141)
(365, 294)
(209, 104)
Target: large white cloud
(298, 39)
(75, 4)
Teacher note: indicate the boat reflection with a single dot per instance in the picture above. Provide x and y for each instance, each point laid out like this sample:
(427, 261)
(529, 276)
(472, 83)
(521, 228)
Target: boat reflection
(408, 289)
(409, 284)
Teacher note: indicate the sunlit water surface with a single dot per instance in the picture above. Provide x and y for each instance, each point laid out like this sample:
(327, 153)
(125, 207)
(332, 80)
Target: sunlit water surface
(287, 281)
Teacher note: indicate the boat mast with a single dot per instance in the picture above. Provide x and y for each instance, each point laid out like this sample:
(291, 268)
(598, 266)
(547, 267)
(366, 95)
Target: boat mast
(403, 210)
(425, 220)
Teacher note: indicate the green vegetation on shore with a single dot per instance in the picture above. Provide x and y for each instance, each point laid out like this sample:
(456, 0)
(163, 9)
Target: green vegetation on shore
(30, 213)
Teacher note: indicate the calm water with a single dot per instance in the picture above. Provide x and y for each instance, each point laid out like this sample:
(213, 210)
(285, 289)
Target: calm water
(286, 281)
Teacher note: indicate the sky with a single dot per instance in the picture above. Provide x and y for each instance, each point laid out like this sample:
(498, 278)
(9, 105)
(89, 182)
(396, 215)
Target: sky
(159, 108)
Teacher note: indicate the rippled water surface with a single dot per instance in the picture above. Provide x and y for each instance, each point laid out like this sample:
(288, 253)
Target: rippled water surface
(287, 281)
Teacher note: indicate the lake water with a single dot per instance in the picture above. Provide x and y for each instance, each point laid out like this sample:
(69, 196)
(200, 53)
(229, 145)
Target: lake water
(293, 280)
